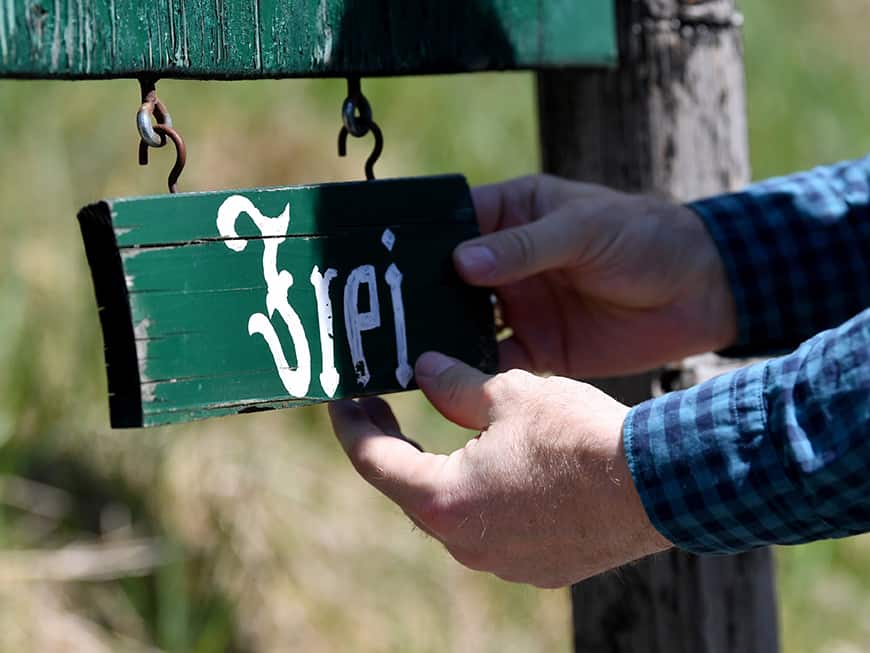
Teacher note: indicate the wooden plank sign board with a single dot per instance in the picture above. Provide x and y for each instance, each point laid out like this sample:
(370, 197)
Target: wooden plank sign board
(247, 39)
(231, 302)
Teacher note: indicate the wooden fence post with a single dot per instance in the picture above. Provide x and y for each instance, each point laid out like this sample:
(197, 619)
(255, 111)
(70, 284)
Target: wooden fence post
(670, 120)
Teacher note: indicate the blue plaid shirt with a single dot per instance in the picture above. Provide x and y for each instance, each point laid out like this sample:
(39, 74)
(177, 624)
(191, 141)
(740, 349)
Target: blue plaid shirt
(777, 452)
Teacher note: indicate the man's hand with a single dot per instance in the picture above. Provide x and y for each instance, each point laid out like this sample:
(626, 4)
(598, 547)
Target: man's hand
(594, 282)
(542, 496)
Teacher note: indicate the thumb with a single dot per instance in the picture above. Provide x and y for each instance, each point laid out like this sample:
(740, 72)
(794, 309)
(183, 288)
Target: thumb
(517, 253)
(463, 394)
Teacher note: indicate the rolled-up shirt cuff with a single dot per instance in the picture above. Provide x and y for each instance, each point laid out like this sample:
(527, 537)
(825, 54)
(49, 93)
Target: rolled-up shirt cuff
(710, 478)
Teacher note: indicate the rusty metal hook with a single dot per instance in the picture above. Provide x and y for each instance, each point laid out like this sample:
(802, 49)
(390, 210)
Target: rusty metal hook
(154, 135)
(180, 154)
(151, 107)
(356, 117)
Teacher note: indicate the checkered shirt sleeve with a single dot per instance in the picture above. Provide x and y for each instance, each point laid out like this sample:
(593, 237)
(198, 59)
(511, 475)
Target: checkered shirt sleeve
(797, 253)
(777, 452)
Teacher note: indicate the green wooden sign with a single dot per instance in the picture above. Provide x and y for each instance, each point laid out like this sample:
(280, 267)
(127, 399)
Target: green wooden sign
(214, 39)
(232, 302)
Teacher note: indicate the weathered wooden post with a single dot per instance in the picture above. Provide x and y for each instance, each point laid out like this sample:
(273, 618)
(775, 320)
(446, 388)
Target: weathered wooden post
(669, 120)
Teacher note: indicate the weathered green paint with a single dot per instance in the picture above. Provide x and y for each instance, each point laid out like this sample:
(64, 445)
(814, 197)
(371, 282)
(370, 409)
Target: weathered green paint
(175, 299)
(219, 39)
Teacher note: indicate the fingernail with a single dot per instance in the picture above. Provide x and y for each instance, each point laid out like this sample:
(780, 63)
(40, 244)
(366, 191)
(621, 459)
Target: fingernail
(476, 259)
(433, 364)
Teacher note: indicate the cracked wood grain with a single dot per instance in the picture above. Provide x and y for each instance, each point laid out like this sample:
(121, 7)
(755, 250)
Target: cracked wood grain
(216, 39)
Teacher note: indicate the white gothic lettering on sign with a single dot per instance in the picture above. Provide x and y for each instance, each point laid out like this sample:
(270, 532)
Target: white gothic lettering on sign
(355, 322)
(296, 381)
(404, 373)
(278, 283)
(329, 376)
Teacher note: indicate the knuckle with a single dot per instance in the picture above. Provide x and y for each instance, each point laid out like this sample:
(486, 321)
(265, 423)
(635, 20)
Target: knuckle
(523, 246)
(517, 376)
(513, 379)
(552, 383)
(559, 390)
(363, 458)
(523, 189)
(493, 388)
(557, 387)
(505, 385)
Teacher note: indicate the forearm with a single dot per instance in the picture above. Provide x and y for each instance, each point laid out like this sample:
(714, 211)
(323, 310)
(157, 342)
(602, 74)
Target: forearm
(774, 453)
(797, 253)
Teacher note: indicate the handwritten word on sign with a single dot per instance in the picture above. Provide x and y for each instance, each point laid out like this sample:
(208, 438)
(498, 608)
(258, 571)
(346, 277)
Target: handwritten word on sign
(221, 303)
(278, 282)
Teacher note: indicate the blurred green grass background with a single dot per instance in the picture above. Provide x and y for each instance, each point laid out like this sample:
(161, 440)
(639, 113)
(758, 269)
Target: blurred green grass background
(252, 533)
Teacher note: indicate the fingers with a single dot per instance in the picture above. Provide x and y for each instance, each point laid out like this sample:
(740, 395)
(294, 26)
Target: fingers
(391, 464)
(517, 201)
(494, 202)
(463, 394)
(381, 414)
(518, 252)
